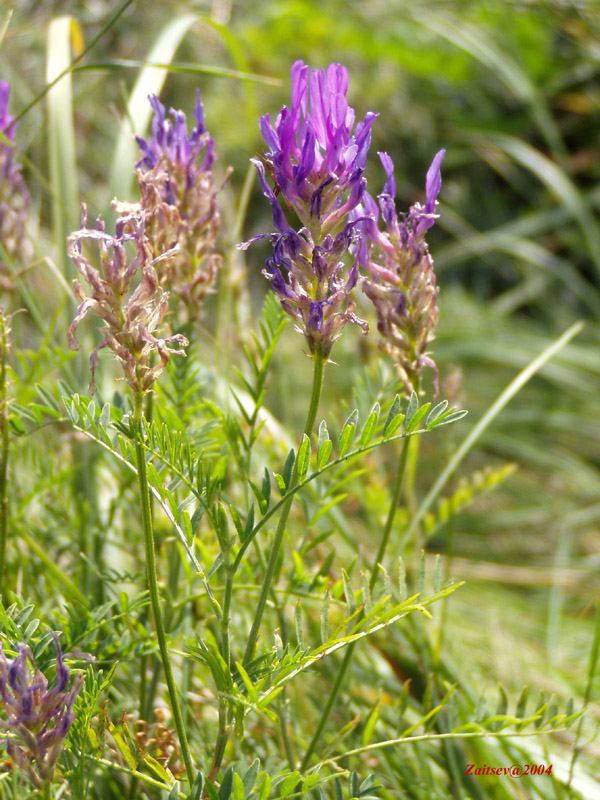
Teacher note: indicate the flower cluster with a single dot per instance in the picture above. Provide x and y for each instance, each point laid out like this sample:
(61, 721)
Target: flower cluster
(37, 717)
(127, 297)
(402, 284)
(14, 197)
(316, 162)
(179, 196)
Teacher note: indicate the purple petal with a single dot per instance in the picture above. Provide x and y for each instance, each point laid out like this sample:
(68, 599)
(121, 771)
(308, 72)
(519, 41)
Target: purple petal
(433, 182)
(315, 315)
(278, 283)
(199, 113)
(388, 165)
(281, 223)
(269, 134)
(299, 90)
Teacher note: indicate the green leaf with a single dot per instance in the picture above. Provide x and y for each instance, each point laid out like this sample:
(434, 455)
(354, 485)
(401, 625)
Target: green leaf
(416, 418)
(226, 784)
(394, 412)
(369, 730)
(323, 433)
(413, 405)
(522, 702)
(239, 791)
(288, 467)
(370, 426)
(250, 688)
(303, 458)
(435, 412)
(265, 789)
(289, 784)
(211, 791)
(249, 523)
(157, 768)
(263, 503)
(323, 453)
(280, 483)
(347, 433)
(448, 418)
(250, 775)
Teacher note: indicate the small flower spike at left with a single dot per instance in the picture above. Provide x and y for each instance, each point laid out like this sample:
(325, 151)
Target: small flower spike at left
(38, 719)
(14, 197)
(127, 297)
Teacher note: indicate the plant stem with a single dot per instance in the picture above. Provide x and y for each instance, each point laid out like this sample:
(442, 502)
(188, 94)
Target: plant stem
(3, 450)
(389, 524)
(153, 589)
(319, 366)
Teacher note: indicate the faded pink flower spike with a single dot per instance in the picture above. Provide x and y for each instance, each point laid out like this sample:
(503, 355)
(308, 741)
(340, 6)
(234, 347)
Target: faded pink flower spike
(402, 283)
(127, 296)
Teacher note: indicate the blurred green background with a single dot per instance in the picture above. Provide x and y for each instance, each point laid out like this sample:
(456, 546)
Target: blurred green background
(512, 91)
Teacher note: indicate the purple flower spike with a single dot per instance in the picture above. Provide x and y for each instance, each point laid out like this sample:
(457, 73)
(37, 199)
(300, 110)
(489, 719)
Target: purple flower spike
(313, 151)
(316, 163)
(14, 199)
(39, 718)
(5, 119)
(170, 140)
(180, 197)
(402, 284)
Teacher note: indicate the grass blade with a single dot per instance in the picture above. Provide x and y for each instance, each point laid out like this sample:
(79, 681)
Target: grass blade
(149, 81)
(501, 401)
(64, 33)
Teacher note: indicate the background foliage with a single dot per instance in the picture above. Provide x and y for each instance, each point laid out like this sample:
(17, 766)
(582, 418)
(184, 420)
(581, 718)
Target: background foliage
(511, 90)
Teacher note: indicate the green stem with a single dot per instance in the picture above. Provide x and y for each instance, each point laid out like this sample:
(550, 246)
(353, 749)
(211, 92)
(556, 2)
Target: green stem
(273, 556)
(389, 524)
(154, 594)
(223, 732)
(3, 452)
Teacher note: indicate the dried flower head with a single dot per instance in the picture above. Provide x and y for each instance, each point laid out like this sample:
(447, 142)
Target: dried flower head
(127, 296)
(37, 717)
(402, 283)
(178, 193)
(14, 197)
(316, 163)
